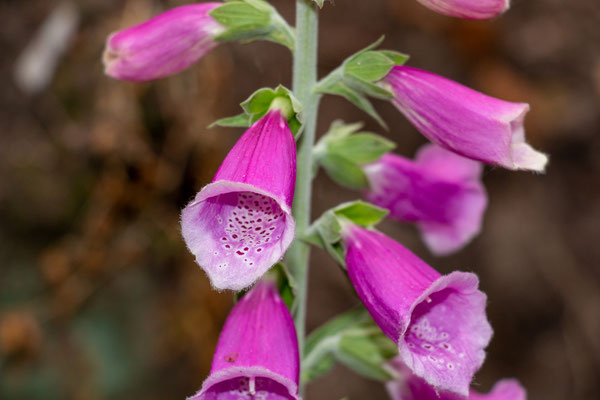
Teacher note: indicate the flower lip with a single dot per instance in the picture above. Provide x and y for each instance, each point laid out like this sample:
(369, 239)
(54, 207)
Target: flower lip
(234, 270)
(259, 380)
(429, 344)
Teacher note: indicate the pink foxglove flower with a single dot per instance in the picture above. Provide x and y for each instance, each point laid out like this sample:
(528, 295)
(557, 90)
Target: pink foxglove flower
(470, 9)
(438, 322)
(163, 45)
(440, 191)
(257, 354)
(410, 387)
(241, 224)
(465, 121)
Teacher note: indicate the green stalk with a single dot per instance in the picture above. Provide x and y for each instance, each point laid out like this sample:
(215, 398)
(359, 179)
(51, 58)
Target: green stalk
(304, 81)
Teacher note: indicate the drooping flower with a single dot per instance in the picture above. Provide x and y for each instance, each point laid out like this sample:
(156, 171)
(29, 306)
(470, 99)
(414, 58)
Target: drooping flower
(241, 224)
(162, 46)
(463, 120)
(440, 191)
(438, 322)
(470, 9)
(257, 353)
(410, 387)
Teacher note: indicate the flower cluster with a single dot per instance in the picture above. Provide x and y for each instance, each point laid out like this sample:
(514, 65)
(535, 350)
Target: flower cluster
(240, 225)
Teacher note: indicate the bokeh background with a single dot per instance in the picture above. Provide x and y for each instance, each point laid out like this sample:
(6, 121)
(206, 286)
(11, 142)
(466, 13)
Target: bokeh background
(99, 298)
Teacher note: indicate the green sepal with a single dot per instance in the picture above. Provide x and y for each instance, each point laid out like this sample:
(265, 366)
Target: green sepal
(319, 3)
(344, 171)
(342, 151)
(361, 213)
(353, 340)
(263, 100)
(252, 20)
(359, 76)
(366, 351)
(329, 225)
(354, 96)
(361, 148)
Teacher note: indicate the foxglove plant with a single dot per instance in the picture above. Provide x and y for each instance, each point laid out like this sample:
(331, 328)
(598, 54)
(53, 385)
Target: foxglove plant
(421, 332)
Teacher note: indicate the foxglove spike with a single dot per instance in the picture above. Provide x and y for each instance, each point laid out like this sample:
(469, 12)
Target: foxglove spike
(467, 122)
(241, 224)
(438, 322)
(469, 9)
(440, 191)
(410, 387)
(163, 45)
(257, 354)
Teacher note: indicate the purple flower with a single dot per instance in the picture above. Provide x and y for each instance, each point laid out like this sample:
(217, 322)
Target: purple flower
(241, 224)
(470, 9)
(438, 322)
(440, 191)
(163, 45)
(465, 121)
(410, 387)
(257, 354)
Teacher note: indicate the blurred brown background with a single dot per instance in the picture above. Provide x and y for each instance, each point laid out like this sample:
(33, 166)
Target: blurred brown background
(99, 298)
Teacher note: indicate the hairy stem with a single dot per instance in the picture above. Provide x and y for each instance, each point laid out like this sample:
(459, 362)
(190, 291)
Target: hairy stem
(305, 78)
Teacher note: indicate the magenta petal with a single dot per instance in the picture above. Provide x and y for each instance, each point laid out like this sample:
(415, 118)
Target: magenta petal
(463, 120)
(240, 225)
(470, 9)
(163, 45)
(410, 387)
(257, 354)
(438, 322)
(441, 192)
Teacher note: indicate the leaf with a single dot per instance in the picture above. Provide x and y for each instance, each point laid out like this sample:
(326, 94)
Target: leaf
(361, 213)
(319, 3)
(364, 351)
(323, 342)
(238, 121)
(238, 14)
(361, 148)
(397, 57)
(368, 88)
(344, 171)
(359, 100)
(370, 66)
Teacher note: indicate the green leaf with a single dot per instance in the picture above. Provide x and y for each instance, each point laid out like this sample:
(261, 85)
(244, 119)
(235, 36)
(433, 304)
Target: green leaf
(319, 3)
(321, 345)
(340, 130)
(240, 14)
(370, 66)
(252, 20)
(329, 227)
(355, 97)
(368, 88)
(344, 171)
(361, 350)
(238, 121)
(397, 57)
(361, 148)
(361, 213)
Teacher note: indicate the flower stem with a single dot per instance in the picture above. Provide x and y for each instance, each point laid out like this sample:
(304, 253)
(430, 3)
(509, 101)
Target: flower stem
(304, 81)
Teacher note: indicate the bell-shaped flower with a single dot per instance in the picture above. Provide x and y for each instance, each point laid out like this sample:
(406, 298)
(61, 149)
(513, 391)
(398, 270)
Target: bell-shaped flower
(463, 120)
(470, 9)
(408, 386)
(163, 45)
(257, 353)
(440, 191)
(438, 322)
(241, 224)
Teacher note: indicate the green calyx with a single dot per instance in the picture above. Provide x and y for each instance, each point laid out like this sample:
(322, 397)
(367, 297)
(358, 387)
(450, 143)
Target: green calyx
(249, 20)
(263, 100)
